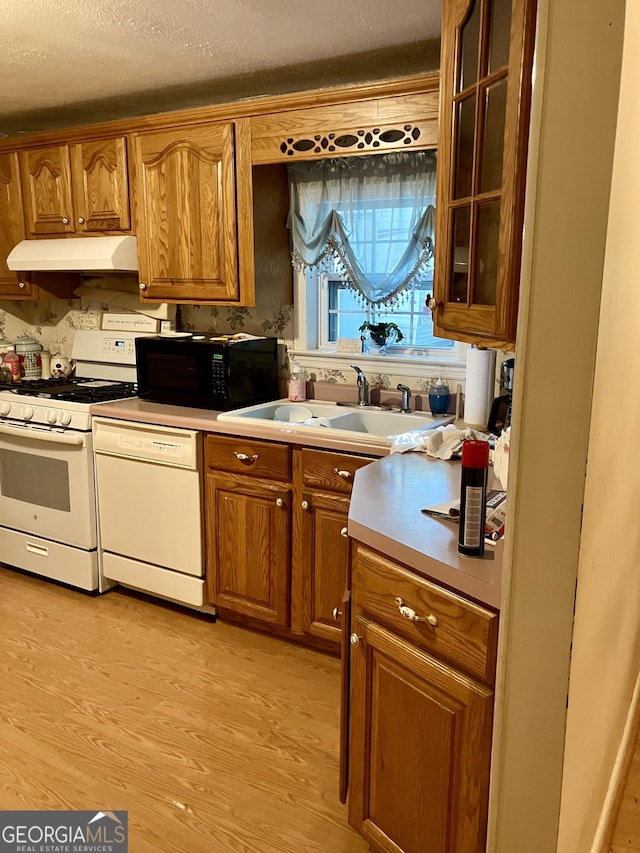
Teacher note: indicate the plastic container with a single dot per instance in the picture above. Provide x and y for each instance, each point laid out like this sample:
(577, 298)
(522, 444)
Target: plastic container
(473, 497)
(297, 384)
(12, 359)
(439, 397)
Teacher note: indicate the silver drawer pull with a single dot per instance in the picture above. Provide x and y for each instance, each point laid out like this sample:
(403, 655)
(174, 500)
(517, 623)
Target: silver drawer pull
(411, 614)
(336, 613)
(354, 639)
(346, 475)
(305, 505)
(344, 532)
(279, 502)
(243, 457)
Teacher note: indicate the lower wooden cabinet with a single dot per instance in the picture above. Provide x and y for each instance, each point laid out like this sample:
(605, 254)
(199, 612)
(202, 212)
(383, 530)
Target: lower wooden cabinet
(323, 481)
(248, 528)
(277, 545)
(419, 726)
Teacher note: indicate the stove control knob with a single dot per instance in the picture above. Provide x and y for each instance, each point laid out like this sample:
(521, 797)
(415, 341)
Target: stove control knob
(52, 417)
(65, 418)
(5, 408)
(27, 412)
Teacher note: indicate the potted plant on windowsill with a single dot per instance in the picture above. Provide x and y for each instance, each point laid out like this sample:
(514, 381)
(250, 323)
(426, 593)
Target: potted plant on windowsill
(376, 337)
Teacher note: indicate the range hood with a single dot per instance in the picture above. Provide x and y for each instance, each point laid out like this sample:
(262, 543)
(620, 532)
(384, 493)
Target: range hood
(75, 254)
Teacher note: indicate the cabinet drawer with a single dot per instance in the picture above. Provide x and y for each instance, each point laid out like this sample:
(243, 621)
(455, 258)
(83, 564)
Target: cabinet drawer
(254, 458)
(463, 633)
(322, 469)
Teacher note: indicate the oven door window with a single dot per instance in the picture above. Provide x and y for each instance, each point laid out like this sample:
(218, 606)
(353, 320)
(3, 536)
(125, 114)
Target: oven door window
(34, 479)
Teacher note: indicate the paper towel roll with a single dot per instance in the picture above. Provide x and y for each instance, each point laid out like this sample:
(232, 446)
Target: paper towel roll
(479, 385)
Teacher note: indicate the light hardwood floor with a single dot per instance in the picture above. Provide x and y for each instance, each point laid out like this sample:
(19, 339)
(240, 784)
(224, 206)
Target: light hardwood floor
(626, 838)
(212, 737)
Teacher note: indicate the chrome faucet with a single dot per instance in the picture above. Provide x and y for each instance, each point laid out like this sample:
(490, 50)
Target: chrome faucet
(363, 387)
(406, 394)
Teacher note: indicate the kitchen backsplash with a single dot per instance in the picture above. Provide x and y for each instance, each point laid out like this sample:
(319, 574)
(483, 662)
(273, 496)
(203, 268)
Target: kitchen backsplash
(54, 323)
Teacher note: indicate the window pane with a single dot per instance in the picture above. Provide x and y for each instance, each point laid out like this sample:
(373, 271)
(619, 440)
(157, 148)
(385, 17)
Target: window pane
(465, 124)
(460, 254)
(469, 41)
(493, 137)
(487, 260)
(346, 314)
(499, 26)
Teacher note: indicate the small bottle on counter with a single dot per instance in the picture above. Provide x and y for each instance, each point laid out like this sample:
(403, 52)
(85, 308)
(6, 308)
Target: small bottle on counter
(473, 497)
(13, 360)
(297, 384)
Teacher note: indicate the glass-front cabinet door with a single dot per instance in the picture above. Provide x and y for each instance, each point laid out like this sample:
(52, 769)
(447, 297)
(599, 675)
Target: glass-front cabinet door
(486, 57)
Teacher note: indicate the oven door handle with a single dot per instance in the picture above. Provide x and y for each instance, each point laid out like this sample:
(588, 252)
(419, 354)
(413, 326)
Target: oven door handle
(43, 435)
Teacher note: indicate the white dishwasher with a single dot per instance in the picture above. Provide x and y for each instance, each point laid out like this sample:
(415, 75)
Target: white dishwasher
(149, 498)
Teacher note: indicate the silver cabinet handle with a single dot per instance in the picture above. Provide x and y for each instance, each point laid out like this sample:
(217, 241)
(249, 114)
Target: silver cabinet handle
(344, 533)
(21, 285)
(411, 614)
(346, 475)
(243, 457)
(305, 504)
(142, 286)
(81, 220)
(336, 613)
(65, 220)
(279, 502)
(354, 639)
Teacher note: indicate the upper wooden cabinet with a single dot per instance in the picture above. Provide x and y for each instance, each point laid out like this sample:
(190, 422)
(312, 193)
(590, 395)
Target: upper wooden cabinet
(486, 57)
(76, 189)
(194, 213)
(12, 286)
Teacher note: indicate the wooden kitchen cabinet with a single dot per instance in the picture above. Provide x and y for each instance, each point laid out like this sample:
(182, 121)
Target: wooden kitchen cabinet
(420, 713)
(323, 483)
(13, 285)
(78, 189)
(22, 286)
(368, 126)
(486, 61)
(248, 528)
(194, 213)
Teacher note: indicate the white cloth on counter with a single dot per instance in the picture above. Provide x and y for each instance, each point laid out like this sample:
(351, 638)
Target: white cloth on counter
(443, 442)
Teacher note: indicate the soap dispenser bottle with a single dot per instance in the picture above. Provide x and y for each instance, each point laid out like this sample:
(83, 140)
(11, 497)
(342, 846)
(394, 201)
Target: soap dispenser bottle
(297, 384)
(439, 397)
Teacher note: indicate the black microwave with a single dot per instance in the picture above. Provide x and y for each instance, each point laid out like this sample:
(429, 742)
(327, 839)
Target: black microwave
(207, 372)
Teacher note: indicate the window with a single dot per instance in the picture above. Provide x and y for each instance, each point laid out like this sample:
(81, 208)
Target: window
(341, 313)
(362, 237)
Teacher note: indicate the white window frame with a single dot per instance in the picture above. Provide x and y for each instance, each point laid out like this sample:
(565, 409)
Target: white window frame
(310, 353)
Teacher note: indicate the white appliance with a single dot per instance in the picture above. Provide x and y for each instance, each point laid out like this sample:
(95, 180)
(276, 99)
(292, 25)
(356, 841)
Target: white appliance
(149, 506)
(47, 484)
(75, 254)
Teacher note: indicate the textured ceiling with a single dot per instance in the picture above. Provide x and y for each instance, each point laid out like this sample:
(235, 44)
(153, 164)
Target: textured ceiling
(85, 60)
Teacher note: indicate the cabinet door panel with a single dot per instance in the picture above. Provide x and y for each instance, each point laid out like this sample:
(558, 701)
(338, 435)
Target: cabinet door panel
(186, 208)
(420, 748)
(485, 75)
(12, 284)
(321, 552)
(100, 185)
(46, 184)
(248, 547)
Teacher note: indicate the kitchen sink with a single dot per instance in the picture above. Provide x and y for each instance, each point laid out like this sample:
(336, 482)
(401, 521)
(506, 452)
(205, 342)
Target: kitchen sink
(361, 424)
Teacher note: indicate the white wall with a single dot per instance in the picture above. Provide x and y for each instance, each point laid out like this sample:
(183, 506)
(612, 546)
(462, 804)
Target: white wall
(606, 639)
(577, 76)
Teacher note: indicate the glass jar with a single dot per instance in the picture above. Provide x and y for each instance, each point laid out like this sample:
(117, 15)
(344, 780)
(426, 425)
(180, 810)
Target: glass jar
(28, 350)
